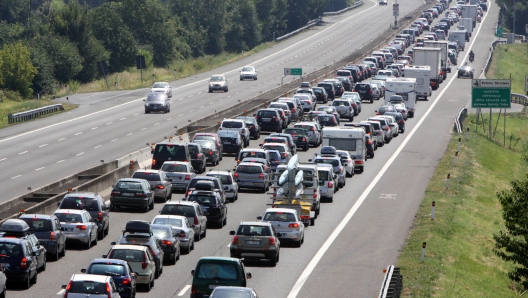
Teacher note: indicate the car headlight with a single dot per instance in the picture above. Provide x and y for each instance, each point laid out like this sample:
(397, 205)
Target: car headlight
(146, 104)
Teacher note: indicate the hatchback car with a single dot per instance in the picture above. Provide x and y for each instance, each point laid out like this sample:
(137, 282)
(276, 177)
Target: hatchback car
(79, 226)
(124, 277)
(399, 120)
(183, 228)
(17, 228)
(160, 184)
(330, 89)
(223, 292)
(157, 102)
(49, 232)
(90, 285)
(238, 126)
(328, 184)
(252, 175)
(213, 137)
(320, 94)
(218, 82)
(212, 272)
(269, 120)
(18, 261)
(213, 153)
(345, 108)
(465, 71)
(248, 72)
(313, 131)
(365, 91)
(252, 125)
(335, 161)
(255, 240)
(130, 192)
(198, 159)
(162, 87)
(194, 213)
(231, 141)
(299, 136)
(285, 108)
(287, 224)
(140, 260)
(94, 204)
(290, 141)
(170, 242)
(212, 205)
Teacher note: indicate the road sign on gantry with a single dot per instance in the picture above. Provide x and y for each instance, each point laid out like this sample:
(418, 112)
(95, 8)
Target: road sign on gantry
(293, 71)
(395, 9)
(490, 94)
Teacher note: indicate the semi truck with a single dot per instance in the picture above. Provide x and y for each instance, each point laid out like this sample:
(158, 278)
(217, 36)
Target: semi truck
(442, 45)
(404, 87)
(460, 37)
(430, 57)
(467, 24)
(470, 12)
(422, 76)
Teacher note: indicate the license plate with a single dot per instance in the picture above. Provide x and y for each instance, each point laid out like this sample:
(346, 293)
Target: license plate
(362, 91)
(227, 143)
(266, 119)
(5, 265)
(249, 242)
(128, 194)
(70, 229)
(154, 108)
(121, 289)
(282, 234)
(247, 183)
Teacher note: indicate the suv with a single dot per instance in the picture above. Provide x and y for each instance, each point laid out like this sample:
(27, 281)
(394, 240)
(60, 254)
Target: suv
(236, 125)
(49, 233)
(216, 185)
(218, 82)
(231, 141)
(17, 228)
(212, 205)
(269, 120)
(78, 226)
(159, 183)
(345, 108)
(138, 232)
(198, 159)
(94, 204)
(211, 270)
(338, 86)
(165, 151)
(205, 136)
(19, 261)
(157, 102)
(139, 259)
(255, 240)
(228, 181)
(330, 89)
(194, 213)
(365, 91)
(252, 125)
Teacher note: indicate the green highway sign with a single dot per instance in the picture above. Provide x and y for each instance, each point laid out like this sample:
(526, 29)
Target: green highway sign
(491, 94)
(293, 71)
(499, 31)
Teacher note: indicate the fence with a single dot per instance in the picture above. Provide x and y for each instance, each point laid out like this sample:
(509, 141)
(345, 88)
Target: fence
(392, 283)
(33, 114)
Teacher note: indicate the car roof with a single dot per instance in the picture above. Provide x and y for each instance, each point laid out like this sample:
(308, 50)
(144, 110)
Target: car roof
(74, 211)
(129, 247)
(148, 171)
(281, 210)
(222, 259)
(169, 216)
(273, 144)
(106, 261)
(188, 203)
(90, 277)
(39, 216)
(255, 223)
(250, 164)
(80, 194)
(219, 172)
(132, 179)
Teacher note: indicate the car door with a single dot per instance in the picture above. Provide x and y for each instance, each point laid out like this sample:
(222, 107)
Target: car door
(61, 238)
(36, 245)
(93, 226)
(201, 217)
(104, 210)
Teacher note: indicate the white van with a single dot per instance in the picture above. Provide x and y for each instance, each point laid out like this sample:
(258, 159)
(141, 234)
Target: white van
(422, 74)
(351, 139)
(406, 88)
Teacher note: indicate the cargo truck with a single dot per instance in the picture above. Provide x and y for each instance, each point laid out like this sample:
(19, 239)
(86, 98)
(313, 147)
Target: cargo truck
(460, 37)
(442, 45)
(467, 23)
(430, 57)
(470, 12)
(404, 87)
(422, 76)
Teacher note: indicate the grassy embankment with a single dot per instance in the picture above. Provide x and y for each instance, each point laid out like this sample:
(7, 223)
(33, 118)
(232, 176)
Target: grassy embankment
(459, 259)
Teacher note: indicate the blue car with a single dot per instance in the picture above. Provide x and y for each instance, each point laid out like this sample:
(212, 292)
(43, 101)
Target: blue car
(122, 274)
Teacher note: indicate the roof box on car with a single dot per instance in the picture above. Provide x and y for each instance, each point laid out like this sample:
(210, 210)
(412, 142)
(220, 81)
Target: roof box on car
(15, 226)
(137, 226)
(328, 150)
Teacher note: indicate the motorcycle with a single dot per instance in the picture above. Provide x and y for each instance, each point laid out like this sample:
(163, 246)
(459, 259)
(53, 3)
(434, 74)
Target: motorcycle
(471, 58)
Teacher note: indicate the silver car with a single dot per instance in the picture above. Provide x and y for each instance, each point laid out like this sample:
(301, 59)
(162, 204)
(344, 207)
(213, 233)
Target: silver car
(286, 223)
(248, 72)
(78, 226)
(228, 181)
(218, 82)
(344, 108)
(90, 285)
(385, 127)
(159, 182)
(183, 228)
(313, 132)
(395, 129)
(252, 175)
(347, 161)
(327, 182)
(162, 87)
(180, 173)
(335, 162)
(157, 102)
(192, 211)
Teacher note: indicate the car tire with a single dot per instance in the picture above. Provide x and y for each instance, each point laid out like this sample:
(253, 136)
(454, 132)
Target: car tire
(255, 78)
(43, 268)
(331, 199)
(169, 197)
(224, 222)
(56, 256)
(95, 241)
(307, 147)
(148, 286)
(348, 175)
(210, 91)
(63, 252)
(151, 205)
(147, 111)
(34, 279)
(197, 237)
(88, 245)
(100, 235)
(274, 260)
(371, 100)
(312, 221)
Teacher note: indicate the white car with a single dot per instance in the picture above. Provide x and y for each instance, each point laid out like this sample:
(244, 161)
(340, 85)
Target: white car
(228, 181)
(287, 223)
(163, 87)
(140, 260)
(78, 225)
(393, 125)
(248, 72)
(346, 159)
(182, 226)
(90, 285)
(376, 92)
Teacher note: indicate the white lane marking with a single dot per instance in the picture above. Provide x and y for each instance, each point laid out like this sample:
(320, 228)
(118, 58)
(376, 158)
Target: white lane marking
(44, 145)
(156, 124)
(79, 154)
(78, 133)
(113, 140)
(191, 111)
(319, 255)
(58, 139)
(122, 119)
(201, 107)
(60, 161)
(95, 128)
(180, 98)
(109, 123)
(169, 119)
(211, 103)
(39, 169)
(136, 114)
(16, 176)
(129, 133)
(143, 128)
(180, 115)
(97, 146)
(61, 292)
(185, 289)
(3, 159)
(190, 96)
(200, 92)
(24, 152)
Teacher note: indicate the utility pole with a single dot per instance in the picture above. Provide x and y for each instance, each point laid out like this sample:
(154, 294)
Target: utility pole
(514, 19)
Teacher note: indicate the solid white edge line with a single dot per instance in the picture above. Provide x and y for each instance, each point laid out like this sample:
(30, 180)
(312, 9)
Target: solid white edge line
(61, 292)
(185, 289)
(319, 255)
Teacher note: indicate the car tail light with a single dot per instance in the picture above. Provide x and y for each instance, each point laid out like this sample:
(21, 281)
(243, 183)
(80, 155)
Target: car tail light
(81, 227)
(355, 90)
(305, 217)
(401, 122)
(274, 117)
(198, 155)
(210, 152)
(330, 184)
(193, 289)
(350, 109)
(293, 225)
(294, 110)
(284, 154)
(370, 91)
(108, 290)
(261, 176)
(377, 113)
(52, 236)
(360, 162)
(304, 139)
(68, 287)
(271, 241)
(100, 216)
(313, 129)
(370, 142)
(115, 193)
(160, 186)
(127, 281)
(235, 240)
(253, 127)
(144, 265)
(153, 162)
(236, 175)
(187, 177)
(196, 221)
(141, 195)
(166, 242)
(23, 263)
(387, 128)
(315, 194)
(182, 234)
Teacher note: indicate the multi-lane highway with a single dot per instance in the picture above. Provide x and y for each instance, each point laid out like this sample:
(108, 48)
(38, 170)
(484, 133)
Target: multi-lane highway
(354, 238)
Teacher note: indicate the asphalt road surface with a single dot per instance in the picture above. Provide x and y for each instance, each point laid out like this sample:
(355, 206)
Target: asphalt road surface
(354, 238)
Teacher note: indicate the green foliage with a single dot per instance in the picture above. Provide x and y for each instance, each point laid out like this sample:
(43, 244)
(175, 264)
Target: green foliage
(244, 32)
(14, 11)
(16, 70)
(44, 81)
(511, 245)
(521, 14)
(63, 55)
(148, 57)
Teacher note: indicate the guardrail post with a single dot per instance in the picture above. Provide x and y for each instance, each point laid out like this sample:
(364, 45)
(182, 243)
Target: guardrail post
(433, 210)
(455, 159)
(447, 181)
(459, 140)
(422, 256)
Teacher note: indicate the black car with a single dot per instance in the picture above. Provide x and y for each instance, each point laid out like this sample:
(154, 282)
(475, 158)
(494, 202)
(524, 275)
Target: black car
(215, 210)
(170, 242)
(198, 158)
(370, 146)
(165, 151)
(320, 94)
(231, 141)
(94, 204)
(212, 154)
(384, 109)
(19, 261)
(399, 119)
(338, 86)
(269, 120)
(347, 84)
(300, 137)
(120, 271)
(327, 120)
(465, 71)
(251, 123)
(356, 74)
(330, 89)
(17, 228)
(218, 186)
(365, 91)
(49, 232)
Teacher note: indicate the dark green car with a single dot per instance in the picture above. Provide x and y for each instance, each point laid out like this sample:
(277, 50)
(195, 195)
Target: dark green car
(300, 137)
(212, 272)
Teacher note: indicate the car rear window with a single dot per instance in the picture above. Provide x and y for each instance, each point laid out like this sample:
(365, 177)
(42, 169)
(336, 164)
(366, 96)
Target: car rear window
(106, 269)
(183, 210)
(129, 255)
(130, 185)
(275, 140)
(267, 114)
(203, 137)
(252, 154)
(247, 169)
(274, 156)
(203, 200)
(39, 225)
(293, 131)
(68, 217)
(279, 216)
(12, 250)
(217, 271)
(254, 230)
(344, 103)
(175, 222)
(324, 175)
(232, 124)
(88, 287)
(147, 176)
(160, 233)
(225, 179)
(281, 149)
(174, 168)
(79, 203)
(169, 150)
(332, 162)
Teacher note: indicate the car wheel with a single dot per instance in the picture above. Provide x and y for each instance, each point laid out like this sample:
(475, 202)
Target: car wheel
(34, 279)
(43, 268)
(100, 235)
(330, 200)
(169, 197)
(372, 155)
(274, 260)
(224, 222)
(255, 78)
(178, 255)
(63, 253)
(204, 233)
(56, 256)
(307, 147)
(197, 237)
(89, 244)
(107, 230)
(3, 295)
(147, 111)
(232, 200)
(348, 174)
(210, 91)
(95, 241)
(371, 100)
(157, 274)
(148, 286)
(312, 221)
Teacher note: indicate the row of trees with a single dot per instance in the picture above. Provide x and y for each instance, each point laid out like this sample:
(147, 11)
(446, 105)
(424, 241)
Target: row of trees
(514, 15)
(64, 40)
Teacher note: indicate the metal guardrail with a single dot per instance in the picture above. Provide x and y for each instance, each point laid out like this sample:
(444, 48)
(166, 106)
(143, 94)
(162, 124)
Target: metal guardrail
(459, 120)
(309, 25)
(332, 13)
(33, 114)
(392, 283)
(519, 98)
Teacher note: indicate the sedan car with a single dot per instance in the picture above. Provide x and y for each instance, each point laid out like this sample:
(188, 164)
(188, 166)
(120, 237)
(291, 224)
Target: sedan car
(255, 240)
(248, 72)
(299, 136)
(183, 228)
(14, 252)
(223, 292)
(180, 173)
(170, 242)
(286, 223)
(218, 82)
(162, 87)
(140, 260)
(252, 175)
(157, 102)
(130, 192)
(159, 183)
(215, 210)
(192, 211)
(90, 285)
(120, 271)
(465, 71)
(79, 226)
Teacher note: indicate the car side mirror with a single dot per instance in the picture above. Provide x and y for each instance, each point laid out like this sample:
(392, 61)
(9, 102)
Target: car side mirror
(36, 253)
(83, 270)
(232, 233)
(259, 217)
(58, 204)
(192, 272)
(310, 160)
(104, 256)
(226, 188)
(248, 275)
(113, 243)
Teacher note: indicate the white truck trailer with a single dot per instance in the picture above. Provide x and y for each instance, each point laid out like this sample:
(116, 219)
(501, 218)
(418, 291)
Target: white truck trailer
(467, 23)
(422, 76)
(351, 139)
(443, 45)
(404, 87)
(430, 57)
(458, 36)
(471, 12)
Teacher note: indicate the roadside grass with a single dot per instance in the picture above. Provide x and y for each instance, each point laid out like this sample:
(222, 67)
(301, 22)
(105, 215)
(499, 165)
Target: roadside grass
(459, 261)
(131, 78)
(9, 106)
(510, 59)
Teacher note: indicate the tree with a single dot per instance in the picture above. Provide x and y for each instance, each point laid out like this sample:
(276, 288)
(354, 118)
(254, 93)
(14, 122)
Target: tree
(512, 244)
(63, 55)
(244, 32)
(44, 81)
(16, 70)
(521, 14)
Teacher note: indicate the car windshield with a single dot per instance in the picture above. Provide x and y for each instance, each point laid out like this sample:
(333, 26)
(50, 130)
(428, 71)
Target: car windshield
(232, 124)
(107, 269)
(175, 222)
(174, 168)
(160, 85)
(332, 162)
(217, 271)
(79, 203)
(247, 169)
(128, 185)
(247, 68)
(87, 287)
(147, 176)
(203, 200)
(184, 210)
(155, 97)
(324, 175)
(217, 78)
(160, 232)
(69, 218)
